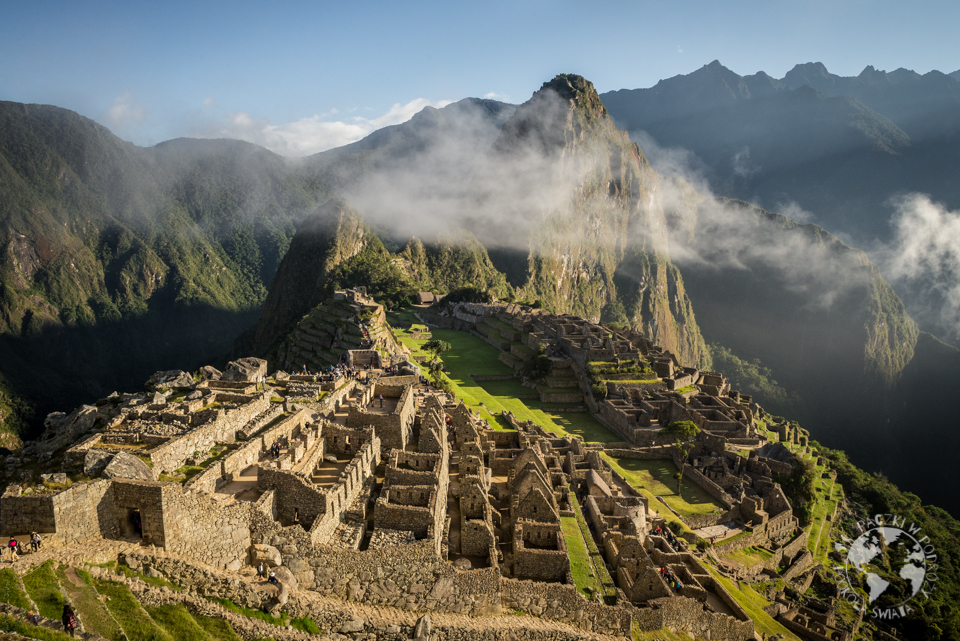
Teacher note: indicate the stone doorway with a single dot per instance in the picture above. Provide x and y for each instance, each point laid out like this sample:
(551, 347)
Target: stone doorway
(131, 523)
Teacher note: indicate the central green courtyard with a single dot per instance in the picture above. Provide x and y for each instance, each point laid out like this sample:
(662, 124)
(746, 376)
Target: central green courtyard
(655, 477)
(471, 355)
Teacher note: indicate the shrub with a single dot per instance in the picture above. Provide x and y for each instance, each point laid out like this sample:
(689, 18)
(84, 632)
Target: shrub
(599, 391)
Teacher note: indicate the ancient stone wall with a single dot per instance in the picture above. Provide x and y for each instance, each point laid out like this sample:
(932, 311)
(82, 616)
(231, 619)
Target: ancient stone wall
(86, 511)
(25, 514)
(563, 603)
(682, 613)
(394, 429)
(711, 488)
(296, 500)
(200, 528)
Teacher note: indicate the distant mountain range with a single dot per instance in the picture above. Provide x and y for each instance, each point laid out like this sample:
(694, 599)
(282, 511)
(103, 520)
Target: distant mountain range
(839, 147)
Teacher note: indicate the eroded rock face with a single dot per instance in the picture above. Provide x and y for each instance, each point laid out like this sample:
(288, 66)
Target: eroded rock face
(245, 369)
(170, 378)
(127, 466)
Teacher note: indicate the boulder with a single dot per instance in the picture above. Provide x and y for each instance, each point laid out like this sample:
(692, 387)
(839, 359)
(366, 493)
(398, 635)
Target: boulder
(127, 466)
(56, 477)
(285, 576)
(170, 378)
(70, 426)
(266, 553)
(245, 369)
(194, 395)
(422, 631)
(95, 461)
(210, 373)
(352, 625)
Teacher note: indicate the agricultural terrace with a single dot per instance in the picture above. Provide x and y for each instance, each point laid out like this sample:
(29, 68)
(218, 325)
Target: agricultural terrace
(471, 355)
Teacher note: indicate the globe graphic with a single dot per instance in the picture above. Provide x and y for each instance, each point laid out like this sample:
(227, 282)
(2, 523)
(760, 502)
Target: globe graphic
(881, 555)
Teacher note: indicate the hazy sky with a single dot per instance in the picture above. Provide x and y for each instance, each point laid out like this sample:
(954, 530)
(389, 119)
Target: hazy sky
(299, 77)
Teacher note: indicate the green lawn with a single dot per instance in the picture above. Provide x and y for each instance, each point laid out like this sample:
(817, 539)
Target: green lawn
(43, 588)
(604, 581)
(580, 566)
(655, 478)
(20, 626)
(753, 603)
(178, 623)
(471, 355)
(129, 613)
(749, 556)
(92, 613)
(10, 591)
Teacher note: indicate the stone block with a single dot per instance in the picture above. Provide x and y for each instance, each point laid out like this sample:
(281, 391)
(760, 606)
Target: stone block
(285, 576)
(266, 553)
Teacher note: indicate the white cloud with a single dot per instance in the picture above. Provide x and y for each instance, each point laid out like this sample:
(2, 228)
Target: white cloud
(125, 110)
(493, 95)
(307, 135)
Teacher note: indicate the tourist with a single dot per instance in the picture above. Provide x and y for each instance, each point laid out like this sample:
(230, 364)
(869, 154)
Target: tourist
(381, 400)
(33, 617)
(14, 546)
(69, 619)
(35, 541)
(261, 571)
(273, 579)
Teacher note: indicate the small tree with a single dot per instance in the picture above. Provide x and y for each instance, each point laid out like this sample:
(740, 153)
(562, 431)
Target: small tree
(683, 433)
(436, 347)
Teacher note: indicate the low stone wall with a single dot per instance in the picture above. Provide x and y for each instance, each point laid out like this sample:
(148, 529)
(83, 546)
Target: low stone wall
(563, 603)
(294, 496)
(688, 615)
(711, 488)
(25, 514)
(640, 454)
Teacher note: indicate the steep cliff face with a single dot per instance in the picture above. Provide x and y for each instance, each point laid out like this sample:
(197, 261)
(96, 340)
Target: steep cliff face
(326, 240)
(454, 260)
(583, 203)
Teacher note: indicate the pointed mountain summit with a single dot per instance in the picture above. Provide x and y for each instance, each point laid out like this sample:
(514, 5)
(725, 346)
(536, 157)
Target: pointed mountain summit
(577, 220)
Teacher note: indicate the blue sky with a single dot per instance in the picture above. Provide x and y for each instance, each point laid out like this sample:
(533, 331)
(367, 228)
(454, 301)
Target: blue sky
(299, 77)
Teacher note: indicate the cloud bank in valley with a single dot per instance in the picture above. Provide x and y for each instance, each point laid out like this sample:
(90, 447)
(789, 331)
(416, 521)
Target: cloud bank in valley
(305, 136)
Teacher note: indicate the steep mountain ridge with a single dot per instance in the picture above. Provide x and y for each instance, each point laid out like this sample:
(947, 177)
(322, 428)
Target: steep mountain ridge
(582, 209)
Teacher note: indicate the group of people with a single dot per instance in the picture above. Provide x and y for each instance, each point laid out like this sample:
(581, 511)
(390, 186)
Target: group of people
(668, 535)
(275, 449)
(16, 549)
(262, 575)
(667, 575)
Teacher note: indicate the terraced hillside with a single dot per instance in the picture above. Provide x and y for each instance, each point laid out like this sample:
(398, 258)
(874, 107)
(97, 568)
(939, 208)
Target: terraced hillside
(331, 329)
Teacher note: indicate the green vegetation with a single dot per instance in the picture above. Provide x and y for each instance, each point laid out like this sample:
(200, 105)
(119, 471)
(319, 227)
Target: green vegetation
(253, 614)
(749, 556)
(874, 494)
(216, 629)
(682, 433)
(306, 624)
(753, 603)
(471, 355)
(129, 613)
(10, 591)
(800, 488)
(750, 377)
(655, 478)
(83, 597)
(11, 624)
(42, 586)
(586, 563)
(178, 622)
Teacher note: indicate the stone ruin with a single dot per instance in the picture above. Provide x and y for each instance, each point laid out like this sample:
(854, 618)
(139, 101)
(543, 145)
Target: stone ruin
(418, 501)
